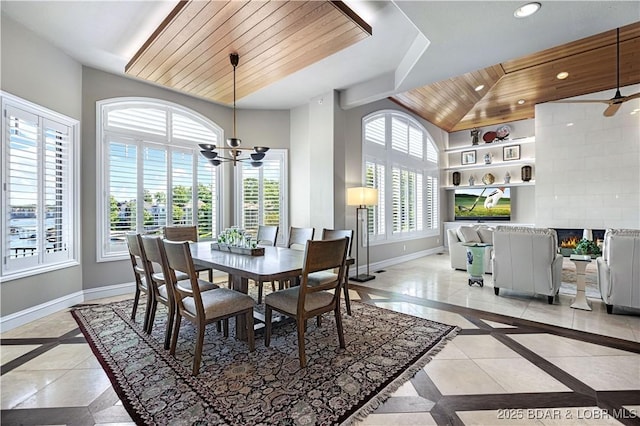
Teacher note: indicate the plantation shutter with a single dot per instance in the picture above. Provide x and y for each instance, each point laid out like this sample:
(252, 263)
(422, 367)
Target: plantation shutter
(38, 183)
(23, 187)
(374, 178)
(123, 192)
(155, 183)
(207, 199)
(261, 195)
(182, 187)
(432, 202)
(374, 131)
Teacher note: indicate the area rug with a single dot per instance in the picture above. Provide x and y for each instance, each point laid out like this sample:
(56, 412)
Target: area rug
(235, 387)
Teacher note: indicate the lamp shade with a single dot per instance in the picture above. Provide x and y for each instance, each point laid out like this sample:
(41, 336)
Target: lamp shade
(362, 196)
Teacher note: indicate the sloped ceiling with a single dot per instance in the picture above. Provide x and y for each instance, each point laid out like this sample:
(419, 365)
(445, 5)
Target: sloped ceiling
(454, 104)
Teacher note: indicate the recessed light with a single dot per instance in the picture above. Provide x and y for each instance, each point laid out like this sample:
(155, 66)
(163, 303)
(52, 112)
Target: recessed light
(569, 124)
(520, 101)
(527, 10)
(562, 75)
(479, 88)
(633, 112)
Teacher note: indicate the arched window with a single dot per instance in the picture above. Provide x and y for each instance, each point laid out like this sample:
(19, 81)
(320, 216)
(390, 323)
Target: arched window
(401, 161)
(150, 172)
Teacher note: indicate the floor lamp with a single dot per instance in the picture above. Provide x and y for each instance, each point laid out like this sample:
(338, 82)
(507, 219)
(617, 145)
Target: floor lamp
(362, 197)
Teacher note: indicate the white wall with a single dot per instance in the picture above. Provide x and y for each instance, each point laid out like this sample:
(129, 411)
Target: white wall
(588, 173)
(299, 172)
(37, 71)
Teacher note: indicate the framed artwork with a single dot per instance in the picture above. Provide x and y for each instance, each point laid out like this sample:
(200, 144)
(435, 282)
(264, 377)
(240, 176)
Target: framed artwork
(468, 157)
(511, 152)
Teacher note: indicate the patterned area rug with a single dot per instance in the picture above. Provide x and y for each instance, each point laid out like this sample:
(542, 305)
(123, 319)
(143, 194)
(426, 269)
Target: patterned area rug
(383, 350)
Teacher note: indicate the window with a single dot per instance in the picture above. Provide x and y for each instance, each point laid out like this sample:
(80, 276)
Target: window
(40, 192)
(401, 161)
(152, 172)
(262, 193)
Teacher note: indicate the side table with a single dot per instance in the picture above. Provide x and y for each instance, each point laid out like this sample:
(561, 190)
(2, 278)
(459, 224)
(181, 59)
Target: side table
(581, 263)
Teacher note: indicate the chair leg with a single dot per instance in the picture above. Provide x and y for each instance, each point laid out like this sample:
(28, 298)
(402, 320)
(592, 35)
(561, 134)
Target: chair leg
(319, 320)
(170, 323)
(198, 351)
(496, 290)
(147, 311)
(339, 327)
(136, 299)
(267, 325)
(174, 339)
(250, 333)
(260, 284)
(345, 288)
(152, 316)
(609, 309)
(550, 300)
(301, 353)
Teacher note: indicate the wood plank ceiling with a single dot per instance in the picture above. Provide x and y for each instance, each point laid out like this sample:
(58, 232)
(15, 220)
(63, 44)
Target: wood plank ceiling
(454, 104)
(190, 50)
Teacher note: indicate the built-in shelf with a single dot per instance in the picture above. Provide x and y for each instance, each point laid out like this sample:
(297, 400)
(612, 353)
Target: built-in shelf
(498, 167)
(493, 185)
(493, 165)
(517, 141)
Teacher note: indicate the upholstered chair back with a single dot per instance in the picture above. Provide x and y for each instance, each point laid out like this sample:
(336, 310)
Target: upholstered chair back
(619, 268)
(527, 259)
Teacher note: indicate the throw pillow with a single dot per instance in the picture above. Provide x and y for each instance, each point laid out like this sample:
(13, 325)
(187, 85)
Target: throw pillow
(468, 234)
(486, 235)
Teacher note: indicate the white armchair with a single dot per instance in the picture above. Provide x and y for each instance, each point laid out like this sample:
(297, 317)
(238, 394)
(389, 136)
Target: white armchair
(619, 268)
(468, 234)
(526, 259)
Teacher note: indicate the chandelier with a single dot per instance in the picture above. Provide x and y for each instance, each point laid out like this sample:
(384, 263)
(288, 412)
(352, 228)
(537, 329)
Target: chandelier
(235, 152)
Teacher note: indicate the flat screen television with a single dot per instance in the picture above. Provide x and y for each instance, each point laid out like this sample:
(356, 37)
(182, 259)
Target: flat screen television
(489, 203)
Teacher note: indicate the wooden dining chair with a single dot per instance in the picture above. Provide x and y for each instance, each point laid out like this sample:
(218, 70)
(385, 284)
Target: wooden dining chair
(332, 234)
(202, 308)
(136, 255)
(298, 238)
(156, 257)
(186, 233)
(267, 236)
(312, 297)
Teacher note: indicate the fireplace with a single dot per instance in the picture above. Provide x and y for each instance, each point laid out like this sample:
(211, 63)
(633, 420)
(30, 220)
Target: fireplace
(568, 237)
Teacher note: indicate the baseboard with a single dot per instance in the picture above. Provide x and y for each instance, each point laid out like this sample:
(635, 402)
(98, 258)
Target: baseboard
(33, 313)
(394, 261)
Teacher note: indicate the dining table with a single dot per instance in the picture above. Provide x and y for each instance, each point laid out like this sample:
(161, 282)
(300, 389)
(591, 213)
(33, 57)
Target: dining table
(277, 263)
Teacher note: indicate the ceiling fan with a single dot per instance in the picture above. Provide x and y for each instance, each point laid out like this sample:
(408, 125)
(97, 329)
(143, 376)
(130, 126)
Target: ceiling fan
(617, 100)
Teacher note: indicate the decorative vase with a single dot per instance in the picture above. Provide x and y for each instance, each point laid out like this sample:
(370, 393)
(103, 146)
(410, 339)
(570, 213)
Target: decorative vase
(456, 178)
(507, 177)
(472, 180)
(487, 158)
(525, 173)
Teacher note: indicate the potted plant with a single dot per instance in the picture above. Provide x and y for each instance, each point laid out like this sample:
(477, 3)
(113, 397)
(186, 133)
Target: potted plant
(587, 247)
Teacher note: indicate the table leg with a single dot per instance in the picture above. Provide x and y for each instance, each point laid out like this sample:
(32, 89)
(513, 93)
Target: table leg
(580, 301)
(240, 284)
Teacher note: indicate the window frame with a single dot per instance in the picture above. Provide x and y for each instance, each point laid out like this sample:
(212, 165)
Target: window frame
(281, 155)
(143, 140)
(384, 155)
(71, 220)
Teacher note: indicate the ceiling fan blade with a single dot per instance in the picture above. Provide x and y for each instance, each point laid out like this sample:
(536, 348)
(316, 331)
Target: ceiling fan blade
(634, 96)
(612, 109)
(584, 101)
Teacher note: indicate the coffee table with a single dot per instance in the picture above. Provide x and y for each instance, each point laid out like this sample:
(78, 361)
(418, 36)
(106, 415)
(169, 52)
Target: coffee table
(581, 263)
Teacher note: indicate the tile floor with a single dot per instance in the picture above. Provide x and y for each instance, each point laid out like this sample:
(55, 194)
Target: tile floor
(517, 360)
